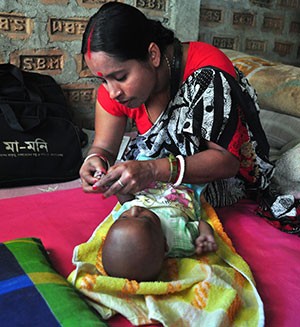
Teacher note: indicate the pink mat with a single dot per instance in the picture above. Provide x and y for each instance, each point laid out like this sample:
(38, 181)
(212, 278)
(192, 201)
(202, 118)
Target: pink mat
(64, 219)
(274, 258)
(60, 219)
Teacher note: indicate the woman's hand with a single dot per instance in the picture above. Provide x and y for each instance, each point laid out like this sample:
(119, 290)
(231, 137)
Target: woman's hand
(128, 177)
(90, 173)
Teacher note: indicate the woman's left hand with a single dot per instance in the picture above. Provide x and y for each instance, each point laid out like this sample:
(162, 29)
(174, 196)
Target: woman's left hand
(128, 177)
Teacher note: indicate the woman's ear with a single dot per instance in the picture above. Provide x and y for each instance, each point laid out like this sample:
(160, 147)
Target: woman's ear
(154, 54)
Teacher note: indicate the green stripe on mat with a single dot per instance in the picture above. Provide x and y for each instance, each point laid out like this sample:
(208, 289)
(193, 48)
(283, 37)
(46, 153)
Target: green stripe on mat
(64, 309)
(30, 254)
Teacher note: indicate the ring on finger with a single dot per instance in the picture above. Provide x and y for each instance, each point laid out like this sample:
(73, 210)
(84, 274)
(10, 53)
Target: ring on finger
(120, 183)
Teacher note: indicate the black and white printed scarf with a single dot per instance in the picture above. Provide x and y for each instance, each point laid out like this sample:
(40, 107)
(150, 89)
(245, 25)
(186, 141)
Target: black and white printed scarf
(205, 109)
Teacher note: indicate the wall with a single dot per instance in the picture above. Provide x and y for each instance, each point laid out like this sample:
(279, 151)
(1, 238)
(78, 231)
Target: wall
(44, 36)
(268, 28)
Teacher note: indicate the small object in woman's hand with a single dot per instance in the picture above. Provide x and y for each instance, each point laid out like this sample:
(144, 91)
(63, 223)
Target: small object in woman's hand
(98, 174)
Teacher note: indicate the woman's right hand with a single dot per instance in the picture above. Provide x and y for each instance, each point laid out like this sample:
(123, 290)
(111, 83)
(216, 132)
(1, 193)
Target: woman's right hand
(90, 172)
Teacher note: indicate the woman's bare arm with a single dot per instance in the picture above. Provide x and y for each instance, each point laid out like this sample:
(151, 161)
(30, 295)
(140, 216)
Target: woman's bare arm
(206, 166)
(109, 131)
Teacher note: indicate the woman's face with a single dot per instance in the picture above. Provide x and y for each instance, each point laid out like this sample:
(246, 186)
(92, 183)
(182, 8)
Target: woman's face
(130, 82)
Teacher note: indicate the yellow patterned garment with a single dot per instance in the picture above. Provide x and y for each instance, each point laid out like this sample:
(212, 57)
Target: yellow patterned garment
(215, 289)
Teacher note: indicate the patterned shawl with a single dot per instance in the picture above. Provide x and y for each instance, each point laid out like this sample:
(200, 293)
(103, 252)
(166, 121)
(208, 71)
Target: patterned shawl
(205, 110)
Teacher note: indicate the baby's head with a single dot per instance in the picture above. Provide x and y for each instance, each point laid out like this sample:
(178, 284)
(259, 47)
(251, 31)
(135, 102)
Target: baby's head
(135, 246)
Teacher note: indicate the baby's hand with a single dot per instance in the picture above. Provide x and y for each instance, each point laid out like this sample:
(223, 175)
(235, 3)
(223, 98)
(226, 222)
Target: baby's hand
(205, 243)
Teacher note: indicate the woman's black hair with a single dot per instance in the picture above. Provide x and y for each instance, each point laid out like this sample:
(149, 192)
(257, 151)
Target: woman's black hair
(124, 32)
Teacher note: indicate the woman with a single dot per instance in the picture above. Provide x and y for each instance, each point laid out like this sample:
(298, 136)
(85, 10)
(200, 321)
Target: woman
(180, 98)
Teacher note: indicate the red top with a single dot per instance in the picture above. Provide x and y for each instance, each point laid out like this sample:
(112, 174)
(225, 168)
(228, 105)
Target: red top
(199, 55)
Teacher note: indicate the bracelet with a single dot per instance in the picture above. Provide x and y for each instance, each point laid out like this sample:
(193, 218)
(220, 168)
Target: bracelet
(181, 172)
(100, 157)
(173, 167)
(178, 171)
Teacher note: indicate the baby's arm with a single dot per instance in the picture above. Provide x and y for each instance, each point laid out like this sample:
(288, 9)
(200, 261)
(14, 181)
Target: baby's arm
(205, 242)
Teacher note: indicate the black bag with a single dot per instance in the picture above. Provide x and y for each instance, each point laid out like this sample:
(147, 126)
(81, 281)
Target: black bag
(38, 142)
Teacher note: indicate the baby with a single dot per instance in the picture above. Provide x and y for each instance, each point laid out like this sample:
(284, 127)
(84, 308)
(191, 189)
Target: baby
(160, 221)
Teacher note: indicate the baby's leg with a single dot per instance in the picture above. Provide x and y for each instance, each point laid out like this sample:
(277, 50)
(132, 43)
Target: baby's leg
(205, 242)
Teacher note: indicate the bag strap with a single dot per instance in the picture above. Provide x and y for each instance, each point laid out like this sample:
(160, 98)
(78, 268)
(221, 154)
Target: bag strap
(10, 117)
(15, 124)
(13, 70)
(17, 73)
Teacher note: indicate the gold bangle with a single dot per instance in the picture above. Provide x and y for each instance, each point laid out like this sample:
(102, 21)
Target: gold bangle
(173, 168)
